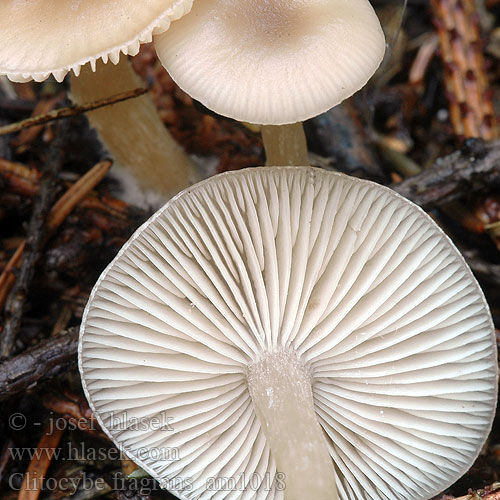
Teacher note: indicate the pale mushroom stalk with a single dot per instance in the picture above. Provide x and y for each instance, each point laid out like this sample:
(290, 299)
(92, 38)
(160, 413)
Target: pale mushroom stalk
(285, 145)
(280, 387)
(41, 38)
(132, 131)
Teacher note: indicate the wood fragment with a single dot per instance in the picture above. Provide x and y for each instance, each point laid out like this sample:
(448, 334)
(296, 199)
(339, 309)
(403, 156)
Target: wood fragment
(5, 149)
(19, 178)
(42, 362)
(7, 278)
(63, 318)
(422, 61)
(466, 81)
(28, 135)
(474, 168)
(75, 410)
(489, 493)
(16, 105)
(23, 180)
(5, 456)
(33, 479)
(71, 111)
(34, 241)
(128, 466)
(75, 194)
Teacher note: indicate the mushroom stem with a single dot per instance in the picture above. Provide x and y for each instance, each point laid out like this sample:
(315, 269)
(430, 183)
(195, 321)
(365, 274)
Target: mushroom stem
(280, 387)
(285, 145)
(132, 131)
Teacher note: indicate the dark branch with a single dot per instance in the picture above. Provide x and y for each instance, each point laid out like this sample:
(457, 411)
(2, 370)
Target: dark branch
(474, 168)
(42, 362)
(36, 234)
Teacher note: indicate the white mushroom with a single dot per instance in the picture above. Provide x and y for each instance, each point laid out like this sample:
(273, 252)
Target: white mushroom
(39, 38)
(51, 37)
(273, 62)
(292, 320)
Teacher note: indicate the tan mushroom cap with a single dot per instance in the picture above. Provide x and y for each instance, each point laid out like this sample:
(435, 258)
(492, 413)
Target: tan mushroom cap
(43, 37)
(273, 61)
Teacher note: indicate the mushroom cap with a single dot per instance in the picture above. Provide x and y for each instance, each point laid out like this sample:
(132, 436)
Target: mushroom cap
(358, 282)
(273, 61)
(44, 37)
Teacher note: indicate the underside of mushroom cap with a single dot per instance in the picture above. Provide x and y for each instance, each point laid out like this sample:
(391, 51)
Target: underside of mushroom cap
(358, 283)
(40, 38)
(273, 62)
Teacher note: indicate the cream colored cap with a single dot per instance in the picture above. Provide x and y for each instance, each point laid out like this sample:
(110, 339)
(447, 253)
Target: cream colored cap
(43, 37)
(273, 61)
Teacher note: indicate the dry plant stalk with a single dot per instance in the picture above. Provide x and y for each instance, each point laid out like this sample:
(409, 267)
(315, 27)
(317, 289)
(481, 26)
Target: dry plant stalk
(33, 479)
(466, 81)
(68, 201)
(75, 410)
(423, 59)
(19, 178)
(8, 278)
(42, 117)
(489, 493)
(25, 181)
(57, 215)
(48, 359)
(45, 106)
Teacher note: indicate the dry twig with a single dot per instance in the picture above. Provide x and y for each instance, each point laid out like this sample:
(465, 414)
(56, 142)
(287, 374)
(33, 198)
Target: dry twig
(489, 493)
(71, 111)
(59, 212)
(5, 456)
(33, 479)
(45, 106)
(19, 178)
(46, 360)
(475, 167)
(76, 193)
(467, 87)
(36, 234)
(75, 410)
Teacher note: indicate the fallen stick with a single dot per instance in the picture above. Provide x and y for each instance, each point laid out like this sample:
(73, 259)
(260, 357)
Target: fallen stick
(60, 210)
(473, 168)
(46, 360)
(31, 247)
(58, 114)
(34, 478)
(75, 409)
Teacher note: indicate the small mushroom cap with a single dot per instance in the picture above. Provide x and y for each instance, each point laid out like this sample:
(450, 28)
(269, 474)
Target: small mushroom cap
(43, 37)
(359, 283)
(274, 61)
